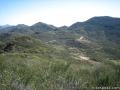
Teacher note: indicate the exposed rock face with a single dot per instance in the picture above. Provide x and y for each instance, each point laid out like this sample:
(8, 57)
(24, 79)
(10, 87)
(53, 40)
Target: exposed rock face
(82, 39)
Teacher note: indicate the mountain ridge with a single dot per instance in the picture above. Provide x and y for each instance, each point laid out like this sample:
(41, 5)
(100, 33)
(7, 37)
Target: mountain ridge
(98, 31)
(44, 57)
(95, 17)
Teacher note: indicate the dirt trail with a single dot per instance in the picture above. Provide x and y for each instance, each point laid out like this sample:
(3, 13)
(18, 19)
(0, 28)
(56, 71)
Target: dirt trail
(83, 57)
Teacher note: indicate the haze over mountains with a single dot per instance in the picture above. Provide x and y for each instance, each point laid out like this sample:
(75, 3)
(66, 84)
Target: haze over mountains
(74, 57)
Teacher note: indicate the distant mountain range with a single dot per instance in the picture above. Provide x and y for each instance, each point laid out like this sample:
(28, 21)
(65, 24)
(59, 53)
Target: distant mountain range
(83, 56)
(94, 33)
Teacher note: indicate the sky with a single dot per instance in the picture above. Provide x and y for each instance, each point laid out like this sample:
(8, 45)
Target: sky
(55, 12)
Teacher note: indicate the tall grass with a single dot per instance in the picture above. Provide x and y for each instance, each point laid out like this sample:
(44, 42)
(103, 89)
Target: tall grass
(34, 72)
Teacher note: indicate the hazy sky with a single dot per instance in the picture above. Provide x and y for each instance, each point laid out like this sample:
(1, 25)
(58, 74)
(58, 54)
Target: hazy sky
(56, 12)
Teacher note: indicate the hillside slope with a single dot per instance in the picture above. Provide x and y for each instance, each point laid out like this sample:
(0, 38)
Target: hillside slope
(82, 56)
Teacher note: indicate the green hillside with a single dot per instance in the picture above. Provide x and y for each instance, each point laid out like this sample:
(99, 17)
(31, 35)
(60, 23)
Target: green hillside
(83, 56)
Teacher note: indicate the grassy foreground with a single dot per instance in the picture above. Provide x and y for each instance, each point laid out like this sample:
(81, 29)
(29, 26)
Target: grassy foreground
(25, 71)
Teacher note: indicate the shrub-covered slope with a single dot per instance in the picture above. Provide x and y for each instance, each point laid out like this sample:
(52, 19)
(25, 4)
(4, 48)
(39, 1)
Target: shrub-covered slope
(44, 57)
